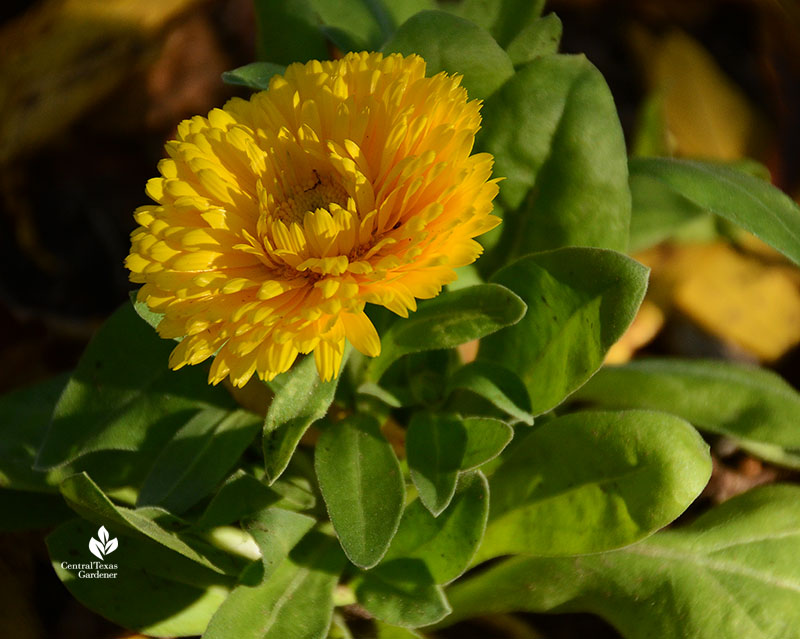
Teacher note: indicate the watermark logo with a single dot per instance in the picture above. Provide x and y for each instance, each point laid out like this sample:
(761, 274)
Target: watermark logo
(100, 548)
(104, 546)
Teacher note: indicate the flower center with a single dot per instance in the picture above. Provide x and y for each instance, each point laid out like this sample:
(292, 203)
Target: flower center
(318, 193)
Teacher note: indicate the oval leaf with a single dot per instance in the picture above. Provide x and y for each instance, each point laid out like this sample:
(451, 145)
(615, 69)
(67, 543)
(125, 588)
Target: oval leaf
(580, 301)
(193, 462)
(555, 135)
(731, 573)
(363, 488)
(451, 319)
(486, 439)
(296, 602)
(123, 396)
(301, 398)
(446, 543)
(455, 45)
(594, 481)
(496, 384)
(402, 594)
(435, 446)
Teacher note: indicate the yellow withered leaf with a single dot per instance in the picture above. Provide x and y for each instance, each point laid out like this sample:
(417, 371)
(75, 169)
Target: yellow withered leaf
(705, 113)
(737, 297)
(63, 56)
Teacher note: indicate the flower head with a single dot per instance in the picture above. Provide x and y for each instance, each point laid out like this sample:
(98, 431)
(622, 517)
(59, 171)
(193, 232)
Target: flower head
(279, 217)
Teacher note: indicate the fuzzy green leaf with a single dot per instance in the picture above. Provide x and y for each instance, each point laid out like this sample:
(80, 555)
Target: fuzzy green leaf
(363, 488)
(537, 38)
(24, 419)
(498, 385)
(288, 31)
(451, 319)
(580, 301)
(155, 524)
(447, 543)
(455, 45)
(731, 573)
(123, 396)
(486, 439)
(197, 458)
(435, 446)
(593, 481)
(301, 398)
(277, 531)
(504, 19)
(240, 495)
(402, 593)
(296, 602)
(556, 138)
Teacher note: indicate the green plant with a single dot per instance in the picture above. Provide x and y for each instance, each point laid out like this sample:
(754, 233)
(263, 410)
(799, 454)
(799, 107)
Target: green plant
(504, 458)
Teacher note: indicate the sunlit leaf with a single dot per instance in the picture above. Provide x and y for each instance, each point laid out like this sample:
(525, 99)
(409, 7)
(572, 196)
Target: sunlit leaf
(580, 301)
(593, 481)
(361, 481)
(731, 573)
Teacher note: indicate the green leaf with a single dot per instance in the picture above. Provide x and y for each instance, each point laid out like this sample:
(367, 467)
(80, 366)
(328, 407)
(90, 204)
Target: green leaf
(301, 398)
(751, 203)
(255, 75)
(741, 401)
(580, 301)
(296, 602)
(402, 10)
(503, 18)
(240, 495)
(537, 38)
(593, 481)
(455, 45)
(143, 311)
(86, 499)
(23, 510)
(447, 543)
(497, 384)
(367, 22)
(277, 531)
(288, 31)
(194, 461)
(123, 396)
(339, 629)
(658, 212)
(435, 446)
(24, 418)
(363, 488)
(731, 573)
(155, 591)
(394, 632)
(486, 439)
(402, 593)
(556, 138)
(451, 319)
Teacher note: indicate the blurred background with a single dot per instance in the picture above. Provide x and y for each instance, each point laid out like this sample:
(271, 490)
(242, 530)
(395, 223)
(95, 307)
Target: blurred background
(91, 89)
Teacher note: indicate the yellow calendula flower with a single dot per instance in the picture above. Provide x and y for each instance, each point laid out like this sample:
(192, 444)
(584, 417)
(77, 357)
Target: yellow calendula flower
(279, 217)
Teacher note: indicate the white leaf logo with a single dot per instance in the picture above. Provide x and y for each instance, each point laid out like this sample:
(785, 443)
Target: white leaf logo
(103, 547)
